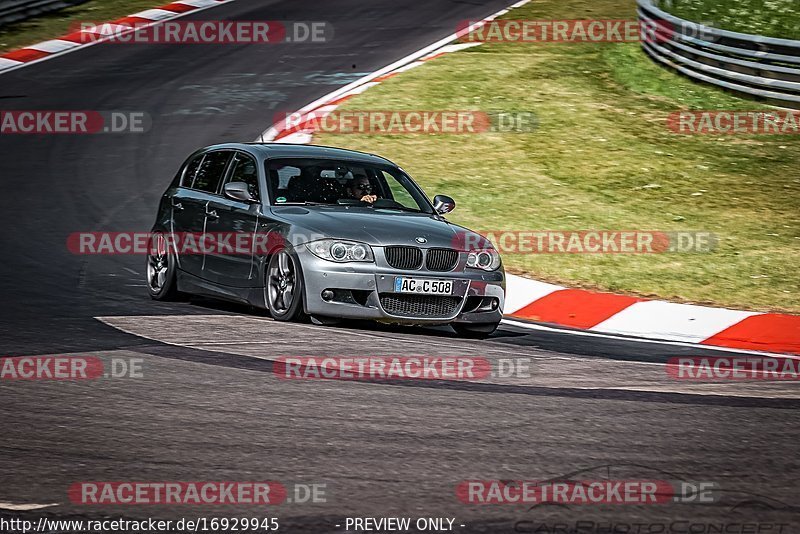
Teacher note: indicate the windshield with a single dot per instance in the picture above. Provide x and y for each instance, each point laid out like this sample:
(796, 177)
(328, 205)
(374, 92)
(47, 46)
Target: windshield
(310, 181)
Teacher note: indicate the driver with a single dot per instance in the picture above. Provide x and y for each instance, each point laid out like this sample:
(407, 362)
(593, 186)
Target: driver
(360, 188)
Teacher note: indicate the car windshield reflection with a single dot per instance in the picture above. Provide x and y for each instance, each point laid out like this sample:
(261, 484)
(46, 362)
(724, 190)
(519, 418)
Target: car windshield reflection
(316, 182)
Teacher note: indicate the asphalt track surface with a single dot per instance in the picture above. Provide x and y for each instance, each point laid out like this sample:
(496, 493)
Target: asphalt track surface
(209, 406)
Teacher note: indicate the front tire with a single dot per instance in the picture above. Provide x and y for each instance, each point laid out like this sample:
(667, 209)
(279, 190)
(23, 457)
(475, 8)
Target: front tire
(474, 331)
(162, 283)
(284, 287)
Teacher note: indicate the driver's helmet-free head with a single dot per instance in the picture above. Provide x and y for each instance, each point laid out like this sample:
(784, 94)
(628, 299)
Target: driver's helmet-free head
(360, 185)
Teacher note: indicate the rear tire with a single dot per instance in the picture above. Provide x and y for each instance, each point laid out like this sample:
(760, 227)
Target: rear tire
(475, 331)
(162, 283)
(283, 287)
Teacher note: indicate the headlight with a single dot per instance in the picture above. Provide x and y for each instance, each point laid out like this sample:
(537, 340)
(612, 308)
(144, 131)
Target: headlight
(486, 259)
(340, 251)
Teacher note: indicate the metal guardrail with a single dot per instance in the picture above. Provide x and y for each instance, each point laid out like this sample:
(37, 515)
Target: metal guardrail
(765, 68)
(16, 10)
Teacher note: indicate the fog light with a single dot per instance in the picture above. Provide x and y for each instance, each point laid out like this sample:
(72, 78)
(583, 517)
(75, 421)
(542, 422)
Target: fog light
(327, 295)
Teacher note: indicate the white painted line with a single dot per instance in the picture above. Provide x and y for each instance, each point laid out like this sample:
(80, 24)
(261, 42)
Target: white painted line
(359, 90)
(6, 63)
(671, 321)
(322, 110)
(297, 138)
(586, 333)
(271, 132)
(53, 46)
(412, 65)
(154, 14)
(523, 291)
(558, 371)
(20, 64)
(198, 3)
(106, 29)
(452, 48)
(23, 507)
(123, 322)
(120, 322)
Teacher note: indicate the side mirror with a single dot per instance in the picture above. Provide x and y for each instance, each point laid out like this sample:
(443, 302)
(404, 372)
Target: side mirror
(238, 191)
(443, 204)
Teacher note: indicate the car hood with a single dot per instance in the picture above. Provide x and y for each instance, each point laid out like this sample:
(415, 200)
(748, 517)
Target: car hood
(377, 228)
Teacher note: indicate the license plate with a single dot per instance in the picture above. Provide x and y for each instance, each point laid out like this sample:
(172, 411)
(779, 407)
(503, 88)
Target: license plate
(422, 286)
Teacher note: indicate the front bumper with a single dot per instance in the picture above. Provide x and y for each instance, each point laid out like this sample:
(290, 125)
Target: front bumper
(366, 291)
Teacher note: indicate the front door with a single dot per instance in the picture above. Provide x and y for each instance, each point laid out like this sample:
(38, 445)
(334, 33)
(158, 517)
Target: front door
(235, 220)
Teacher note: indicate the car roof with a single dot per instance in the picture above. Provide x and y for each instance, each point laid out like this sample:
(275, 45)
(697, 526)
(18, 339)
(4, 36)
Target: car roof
(286, 150)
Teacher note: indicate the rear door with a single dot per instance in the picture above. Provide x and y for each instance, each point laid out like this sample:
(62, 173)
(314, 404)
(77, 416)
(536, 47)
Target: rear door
(187, 216)
(235, 220)
(191, 204)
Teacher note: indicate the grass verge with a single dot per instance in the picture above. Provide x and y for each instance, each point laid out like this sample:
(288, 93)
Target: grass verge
(603, 158)
(51, 25)
(774, 18)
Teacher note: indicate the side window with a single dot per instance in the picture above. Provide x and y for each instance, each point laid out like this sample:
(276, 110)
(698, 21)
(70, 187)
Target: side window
(244, 170)
(210, 171)
(189, 170)
(399, 192)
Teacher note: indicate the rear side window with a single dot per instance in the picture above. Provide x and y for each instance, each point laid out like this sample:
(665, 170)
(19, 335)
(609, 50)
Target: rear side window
(210, 172)
(245, 170)
(190, 170)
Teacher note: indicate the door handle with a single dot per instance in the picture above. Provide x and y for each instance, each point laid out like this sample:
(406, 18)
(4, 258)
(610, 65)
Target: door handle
(177, 205)
(212, 214)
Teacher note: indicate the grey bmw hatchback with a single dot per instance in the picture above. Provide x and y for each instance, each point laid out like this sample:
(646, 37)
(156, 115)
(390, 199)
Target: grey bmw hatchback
(325, 233)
